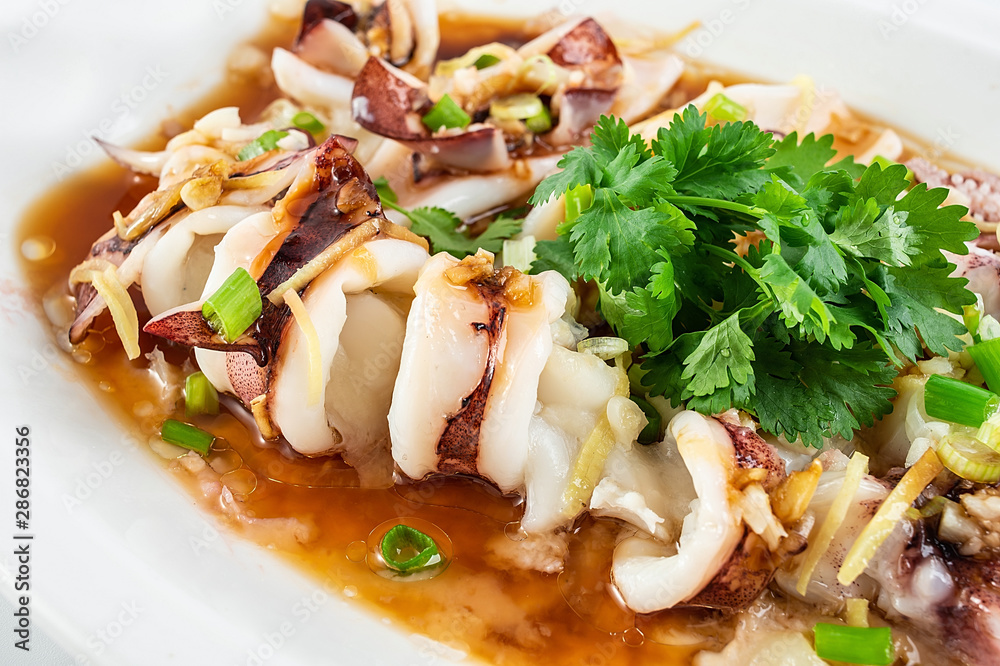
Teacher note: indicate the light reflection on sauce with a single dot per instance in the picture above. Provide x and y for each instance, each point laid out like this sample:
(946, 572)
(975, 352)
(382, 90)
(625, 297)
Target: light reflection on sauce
(504, 616)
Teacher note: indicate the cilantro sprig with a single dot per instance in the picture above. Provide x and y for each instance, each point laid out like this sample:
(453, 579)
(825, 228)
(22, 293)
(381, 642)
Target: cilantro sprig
(443, 229)
(841, 276)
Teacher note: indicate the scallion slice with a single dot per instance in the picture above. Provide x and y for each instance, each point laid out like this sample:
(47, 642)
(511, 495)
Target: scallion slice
(446, 113)
(722, 108)
(886, 162)
(408, 550)
(262, 144)
(959, 402)
(539, 123)
(234, 306)
(651, 433)
(186, 435)
(486, 60)
(986, 354)
(200, 397)
(517, 107)
(578, 199)
(308, 122)
(604, 348)
(969, 458)
(519, 253)
(854, 645)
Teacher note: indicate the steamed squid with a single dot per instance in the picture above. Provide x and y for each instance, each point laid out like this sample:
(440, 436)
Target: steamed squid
(352, 271)
(203, 191)
(486, 383)
(706, 531)
(335, 41)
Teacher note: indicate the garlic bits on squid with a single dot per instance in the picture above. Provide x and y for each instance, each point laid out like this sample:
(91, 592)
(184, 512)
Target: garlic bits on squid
(207, 184)
(490, 385)
(336, 278)
(479, 108)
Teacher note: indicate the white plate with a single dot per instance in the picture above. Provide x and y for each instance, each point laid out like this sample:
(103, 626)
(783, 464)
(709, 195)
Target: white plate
(115, 579)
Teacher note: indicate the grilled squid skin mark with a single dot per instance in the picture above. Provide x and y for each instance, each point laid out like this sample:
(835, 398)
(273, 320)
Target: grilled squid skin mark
(458, 447)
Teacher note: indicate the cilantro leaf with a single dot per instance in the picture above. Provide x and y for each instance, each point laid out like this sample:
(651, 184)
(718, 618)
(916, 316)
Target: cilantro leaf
(798, 162)
(916, 296)
(864, 230)
(617, 245)
(934, 228)
(720, 162)
(722, 357)
(577, 167)
(441, 228)
(555, 255)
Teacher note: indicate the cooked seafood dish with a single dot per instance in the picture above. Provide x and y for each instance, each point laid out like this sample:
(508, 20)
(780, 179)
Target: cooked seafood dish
(545, 339)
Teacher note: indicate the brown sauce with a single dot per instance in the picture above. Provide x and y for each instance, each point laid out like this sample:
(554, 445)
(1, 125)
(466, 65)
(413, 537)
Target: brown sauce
(504, 616)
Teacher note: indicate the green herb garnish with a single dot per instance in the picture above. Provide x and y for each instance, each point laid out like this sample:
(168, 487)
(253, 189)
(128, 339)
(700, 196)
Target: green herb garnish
(442, 227)
(408, 550)
(187, 436)
(266, 142)
(854, 645)
(234, 306)
(446, 113)
(839, 280)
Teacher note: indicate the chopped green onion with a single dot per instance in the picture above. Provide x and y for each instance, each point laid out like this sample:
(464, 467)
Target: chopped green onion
(234, 306)
(486, 60)
(408, 550)
(517, 107)
(971, 317)
(854, 645)
(969, 458)
(385, 192)
(308, 122)
(200, 397)
(446, 113)
(265, 142)
(989, 433)
(721, 107)
(885, 162)
(604, 348)
(959, 402)
(540, 122)
(651, 433)
(519, 253)
(186, 435)
(932, 508)
(987, 357)
(578, 199)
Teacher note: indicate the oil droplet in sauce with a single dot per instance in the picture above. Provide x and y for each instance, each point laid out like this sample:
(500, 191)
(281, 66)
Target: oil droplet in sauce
(357, 551)
(226, 461)
(37, 248)
(241, 482)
